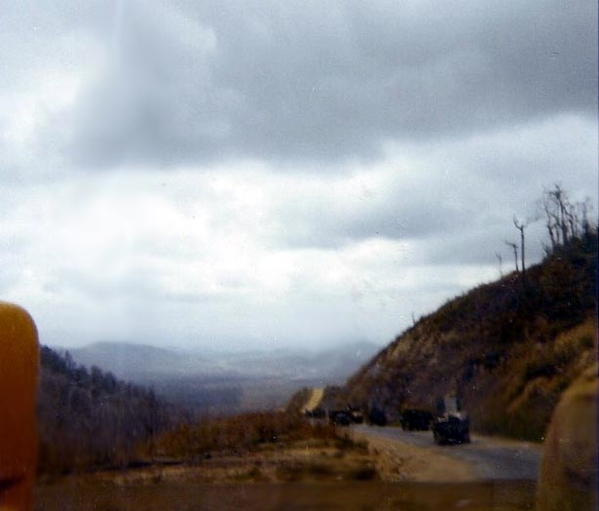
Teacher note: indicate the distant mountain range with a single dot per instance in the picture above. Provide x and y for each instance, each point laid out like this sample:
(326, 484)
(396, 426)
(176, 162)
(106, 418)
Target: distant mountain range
(137, 362)
(226, 381)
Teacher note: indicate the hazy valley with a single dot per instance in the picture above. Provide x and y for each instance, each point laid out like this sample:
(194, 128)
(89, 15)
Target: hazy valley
(213, 382)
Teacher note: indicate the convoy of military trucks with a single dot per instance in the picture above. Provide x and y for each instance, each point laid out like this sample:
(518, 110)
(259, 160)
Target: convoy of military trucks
(448, 423)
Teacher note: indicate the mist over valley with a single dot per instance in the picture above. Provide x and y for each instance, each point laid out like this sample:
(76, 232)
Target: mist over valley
(212, 382)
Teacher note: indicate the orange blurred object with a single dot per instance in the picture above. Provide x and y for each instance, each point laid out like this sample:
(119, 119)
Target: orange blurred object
(19, 363)
(568, 476)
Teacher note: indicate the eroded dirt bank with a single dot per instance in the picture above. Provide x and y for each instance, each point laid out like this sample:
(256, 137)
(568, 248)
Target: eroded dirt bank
(397, 462)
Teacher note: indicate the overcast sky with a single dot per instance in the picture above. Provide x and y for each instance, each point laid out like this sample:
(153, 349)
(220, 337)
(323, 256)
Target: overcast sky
(233, 174)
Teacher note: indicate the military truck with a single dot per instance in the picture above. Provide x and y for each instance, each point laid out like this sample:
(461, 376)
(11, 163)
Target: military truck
(415, 419)
(451, 424)
(340, 418)
(377, 416)
(355, 413)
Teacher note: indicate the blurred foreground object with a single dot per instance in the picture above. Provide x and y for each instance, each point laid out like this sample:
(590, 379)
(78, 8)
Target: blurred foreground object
(568, 473)
(19, 362)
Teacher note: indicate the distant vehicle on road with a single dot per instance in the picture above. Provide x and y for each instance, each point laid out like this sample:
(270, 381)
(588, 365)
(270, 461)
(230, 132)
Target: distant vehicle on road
(451, 429)
(451, 425)
(340, 418)
(413, 419)
(357, 417)
(377, 417)
(316, 413)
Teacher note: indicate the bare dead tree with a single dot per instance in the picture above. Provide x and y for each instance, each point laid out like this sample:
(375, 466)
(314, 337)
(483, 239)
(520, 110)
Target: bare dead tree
(500, 259)
(521, 226)
(515, 249)
(551, 224)
(586, 225)
(560, 216)
(554, 209)
(564, 220)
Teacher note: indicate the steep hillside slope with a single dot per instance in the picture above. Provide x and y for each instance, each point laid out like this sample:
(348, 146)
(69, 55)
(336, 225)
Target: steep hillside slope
(508, 349)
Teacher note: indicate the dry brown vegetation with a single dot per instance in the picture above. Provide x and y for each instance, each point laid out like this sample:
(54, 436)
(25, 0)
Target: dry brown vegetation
(239, 433)
(257, 447)
(251, 447)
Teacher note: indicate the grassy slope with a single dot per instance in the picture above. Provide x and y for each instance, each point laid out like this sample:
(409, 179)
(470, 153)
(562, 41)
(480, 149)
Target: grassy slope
(509, 348)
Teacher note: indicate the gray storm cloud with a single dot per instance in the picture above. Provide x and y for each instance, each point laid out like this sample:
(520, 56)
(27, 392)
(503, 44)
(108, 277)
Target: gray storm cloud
(193, 83)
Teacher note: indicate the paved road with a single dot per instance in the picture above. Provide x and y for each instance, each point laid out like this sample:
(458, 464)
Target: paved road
(491, 458)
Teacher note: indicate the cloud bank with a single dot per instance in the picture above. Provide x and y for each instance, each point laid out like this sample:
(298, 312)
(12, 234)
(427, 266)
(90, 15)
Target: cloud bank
(248, 174)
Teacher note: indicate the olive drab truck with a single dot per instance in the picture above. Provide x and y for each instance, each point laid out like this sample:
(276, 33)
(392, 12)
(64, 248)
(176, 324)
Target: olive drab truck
(450, 424)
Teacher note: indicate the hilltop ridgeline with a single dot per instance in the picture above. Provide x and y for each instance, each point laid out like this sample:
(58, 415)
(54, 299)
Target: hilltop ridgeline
(508, 348)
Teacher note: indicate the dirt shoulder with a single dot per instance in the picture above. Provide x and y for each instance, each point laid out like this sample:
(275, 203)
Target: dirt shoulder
(398, 461)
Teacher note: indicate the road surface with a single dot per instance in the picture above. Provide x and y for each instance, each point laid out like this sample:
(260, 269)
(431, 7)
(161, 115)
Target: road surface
(489, 458)
(314, 399)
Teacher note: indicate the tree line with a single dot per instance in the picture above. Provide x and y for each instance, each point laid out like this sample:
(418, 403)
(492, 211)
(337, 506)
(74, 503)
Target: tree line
(89, 418)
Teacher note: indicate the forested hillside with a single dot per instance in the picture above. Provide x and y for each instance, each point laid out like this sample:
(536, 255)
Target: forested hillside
(89, 418)
(508, 348)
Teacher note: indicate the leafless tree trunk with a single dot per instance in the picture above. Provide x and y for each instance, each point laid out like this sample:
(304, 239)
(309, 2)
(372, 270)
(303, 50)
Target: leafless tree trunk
(521, 226)
(515, 249)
